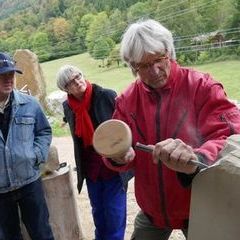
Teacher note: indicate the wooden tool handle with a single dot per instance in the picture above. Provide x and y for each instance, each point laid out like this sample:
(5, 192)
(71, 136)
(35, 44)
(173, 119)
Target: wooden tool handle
(147, 148)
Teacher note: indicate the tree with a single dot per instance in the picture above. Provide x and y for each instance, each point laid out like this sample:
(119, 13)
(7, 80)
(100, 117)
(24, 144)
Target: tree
(22, 39)
(99, 27)
(102, 48)
(138, 10)
(114, 56)
(61, 29)
(217, 15)
(49, 9)
(3, 46)
(235, 22)
(39, 40)
(117, 25)
(40, 45)
(11, 44)
(74, 26)
(82, 30)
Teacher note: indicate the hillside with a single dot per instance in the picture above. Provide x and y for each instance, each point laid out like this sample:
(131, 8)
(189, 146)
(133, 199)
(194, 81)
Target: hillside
(53, 29)
(12, 7)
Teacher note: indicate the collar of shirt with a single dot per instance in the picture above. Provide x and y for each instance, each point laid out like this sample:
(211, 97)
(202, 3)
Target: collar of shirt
(4, 104)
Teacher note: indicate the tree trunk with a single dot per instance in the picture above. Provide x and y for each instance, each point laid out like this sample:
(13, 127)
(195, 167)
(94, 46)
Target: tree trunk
(62, 206)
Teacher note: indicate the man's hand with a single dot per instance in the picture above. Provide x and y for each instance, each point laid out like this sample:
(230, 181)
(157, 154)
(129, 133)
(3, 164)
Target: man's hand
(176, 155)
(126, 158)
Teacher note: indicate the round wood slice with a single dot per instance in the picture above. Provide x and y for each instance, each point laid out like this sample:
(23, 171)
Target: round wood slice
(112, 138)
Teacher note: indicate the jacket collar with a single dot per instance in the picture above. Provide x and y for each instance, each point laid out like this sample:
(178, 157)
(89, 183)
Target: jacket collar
(20, 98)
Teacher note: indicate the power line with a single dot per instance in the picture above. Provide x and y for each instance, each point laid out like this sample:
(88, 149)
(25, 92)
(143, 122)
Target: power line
(209, 46)
(198, 6)
(144, 16)
(114, 28)
(224, 31)
(191, 37)
(188, 10)
(172, 15)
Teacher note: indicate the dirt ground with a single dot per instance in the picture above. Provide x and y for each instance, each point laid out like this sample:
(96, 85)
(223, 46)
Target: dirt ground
(65, 152)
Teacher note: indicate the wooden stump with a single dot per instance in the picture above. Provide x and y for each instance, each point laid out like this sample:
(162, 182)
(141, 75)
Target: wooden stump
(62, 205)
(63, 212)
(60, 197)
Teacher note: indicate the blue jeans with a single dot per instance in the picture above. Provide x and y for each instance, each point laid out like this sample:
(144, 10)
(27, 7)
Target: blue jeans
(108, 201)
(34, 213)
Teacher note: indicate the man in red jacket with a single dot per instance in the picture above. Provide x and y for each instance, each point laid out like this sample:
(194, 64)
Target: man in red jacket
(184, 114)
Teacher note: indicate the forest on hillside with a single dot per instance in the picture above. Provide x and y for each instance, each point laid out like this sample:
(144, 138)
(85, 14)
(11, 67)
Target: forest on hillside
(203, 29)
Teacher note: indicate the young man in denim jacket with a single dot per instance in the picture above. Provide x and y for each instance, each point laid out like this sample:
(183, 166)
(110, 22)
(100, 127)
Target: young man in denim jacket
(25, 136)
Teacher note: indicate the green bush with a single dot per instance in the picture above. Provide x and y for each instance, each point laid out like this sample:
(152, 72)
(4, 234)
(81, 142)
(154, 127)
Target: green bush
(59, 129)
(203, 57)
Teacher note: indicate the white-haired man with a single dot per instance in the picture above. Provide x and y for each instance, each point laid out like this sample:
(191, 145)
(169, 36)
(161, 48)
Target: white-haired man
(184, 114)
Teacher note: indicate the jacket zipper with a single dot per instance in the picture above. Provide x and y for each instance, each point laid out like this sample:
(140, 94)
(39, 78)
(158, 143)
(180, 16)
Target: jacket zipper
(138, 128)
(161, 182)
(179, 124)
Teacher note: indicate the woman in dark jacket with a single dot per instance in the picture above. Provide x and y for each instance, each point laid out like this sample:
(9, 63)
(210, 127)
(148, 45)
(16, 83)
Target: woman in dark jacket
(87, 106)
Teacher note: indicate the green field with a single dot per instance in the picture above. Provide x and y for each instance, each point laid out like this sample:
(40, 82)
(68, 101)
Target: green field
(228, 73)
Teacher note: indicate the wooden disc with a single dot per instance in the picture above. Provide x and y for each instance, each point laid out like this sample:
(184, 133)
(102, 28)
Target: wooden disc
(112, 138)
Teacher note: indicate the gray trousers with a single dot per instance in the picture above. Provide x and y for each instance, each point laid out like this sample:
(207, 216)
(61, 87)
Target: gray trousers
(145, 230)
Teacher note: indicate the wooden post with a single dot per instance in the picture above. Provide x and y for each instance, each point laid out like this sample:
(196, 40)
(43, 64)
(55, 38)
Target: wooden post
(62, 205)
(61, 201)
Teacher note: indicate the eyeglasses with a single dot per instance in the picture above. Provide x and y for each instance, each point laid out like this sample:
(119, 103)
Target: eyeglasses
(7, 63)
(73, 82)
(140, 67)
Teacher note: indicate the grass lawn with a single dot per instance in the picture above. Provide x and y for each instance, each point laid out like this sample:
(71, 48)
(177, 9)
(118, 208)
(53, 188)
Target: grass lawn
(115, 77)
(228, 73)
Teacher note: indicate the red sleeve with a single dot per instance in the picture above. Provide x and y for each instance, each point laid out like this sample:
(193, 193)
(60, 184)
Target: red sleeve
(218, 118)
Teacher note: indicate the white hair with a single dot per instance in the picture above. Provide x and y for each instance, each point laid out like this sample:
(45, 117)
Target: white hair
(64, 75)
(146, 36)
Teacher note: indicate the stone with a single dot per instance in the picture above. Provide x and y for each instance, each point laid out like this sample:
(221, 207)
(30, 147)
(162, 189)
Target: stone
(232, 143)
(32, 80)
(215, 211)
(54, 102)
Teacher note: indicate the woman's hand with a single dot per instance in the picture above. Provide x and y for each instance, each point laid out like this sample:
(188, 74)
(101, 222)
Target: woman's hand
(126, 158)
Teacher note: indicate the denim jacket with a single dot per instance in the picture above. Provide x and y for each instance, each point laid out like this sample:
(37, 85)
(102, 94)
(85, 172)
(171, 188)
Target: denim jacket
(27, 143)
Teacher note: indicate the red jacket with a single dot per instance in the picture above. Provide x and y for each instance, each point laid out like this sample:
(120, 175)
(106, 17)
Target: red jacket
(191, 107)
